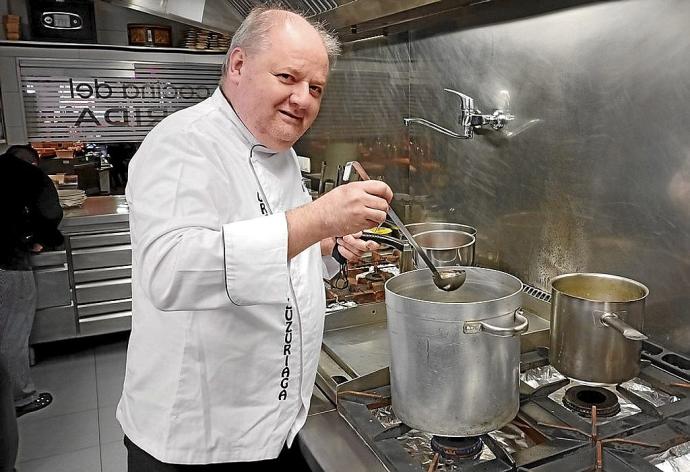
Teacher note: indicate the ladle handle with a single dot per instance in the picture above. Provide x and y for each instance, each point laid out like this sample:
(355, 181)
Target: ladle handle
(383, 239)
(612, 320)
(398, 222)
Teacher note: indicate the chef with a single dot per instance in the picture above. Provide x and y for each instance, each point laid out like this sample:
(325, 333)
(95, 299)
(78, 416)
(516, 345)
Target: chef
(229, 255)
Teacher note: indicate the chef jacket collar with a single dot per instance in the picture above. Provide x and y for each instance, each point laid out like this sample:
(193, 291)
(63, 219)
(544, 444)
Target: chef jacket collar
(229, 112)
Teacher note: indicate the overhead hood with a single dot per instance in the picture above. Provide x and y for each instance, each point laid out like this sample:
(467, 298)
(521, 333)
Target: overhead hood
(351, 19)
(214, 15)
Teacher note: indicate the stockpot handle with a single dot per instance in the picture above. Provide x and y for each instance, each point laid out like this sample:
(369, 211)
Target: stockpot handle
(474, 327)
(612, 320)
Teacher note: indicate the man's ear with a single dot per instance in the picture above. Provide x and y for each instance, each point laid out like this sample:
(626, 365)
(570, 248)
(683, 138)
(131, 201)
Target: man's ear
(236, 62)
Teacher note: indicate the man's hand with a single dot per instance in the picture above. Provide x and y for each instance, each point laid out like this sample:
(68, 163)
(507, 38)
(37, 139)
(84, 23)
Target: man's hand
(36, 248)
(345, 210)
(350, 246)
(353, 207)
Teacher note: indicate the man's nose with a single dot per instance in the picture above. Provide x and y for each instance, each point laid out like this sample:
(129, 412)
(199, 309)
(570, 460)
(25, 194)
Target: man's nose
(300, 95)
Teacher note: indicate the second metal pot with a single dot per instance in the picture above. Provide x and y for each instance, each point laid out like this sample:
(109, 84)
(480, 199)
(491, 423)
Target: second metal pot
(446, 248)
(595, 327)
(455, 356)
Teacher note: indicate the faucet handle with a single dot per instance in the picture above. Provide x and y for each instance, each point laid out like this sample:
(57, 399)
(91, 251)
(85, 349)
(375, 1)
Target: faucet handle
(467, 101)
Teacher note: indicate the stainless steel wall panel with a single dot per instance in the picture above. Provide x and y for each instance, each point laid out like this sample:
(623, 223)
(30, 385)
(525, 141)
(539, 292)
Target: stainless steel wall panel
(592, 175)
(600, 182)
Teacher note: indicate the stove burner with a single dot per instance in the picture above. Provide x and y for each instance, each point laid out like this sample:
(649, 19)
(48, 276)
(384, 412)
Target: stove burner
(375, 276)
(581, 398)
(456, 447)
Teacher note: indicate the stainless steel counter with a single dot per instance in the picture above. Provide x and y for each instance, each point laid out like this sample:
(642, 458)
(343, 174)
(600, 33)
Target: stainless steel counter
(97, 214)
(85, 289)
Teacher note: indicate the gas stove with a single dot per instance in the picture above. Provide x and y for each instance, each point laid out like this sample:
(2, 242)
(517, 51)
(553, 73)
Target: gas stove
(562, 425)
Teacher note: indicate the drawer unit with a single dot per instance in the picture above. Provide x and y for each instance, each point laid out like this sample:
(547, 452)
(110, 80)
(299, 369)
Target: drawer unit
(104, 273)
(103, 308)
(52, 287)
(53, 324)
(109, 256)
(110, 323)
(92, 292)
(48, 259)
(82, 241)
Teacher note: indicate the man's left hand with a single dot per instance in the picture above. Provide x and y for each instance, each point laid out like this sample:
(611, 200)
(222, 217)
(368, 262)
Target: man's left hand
(350, 246)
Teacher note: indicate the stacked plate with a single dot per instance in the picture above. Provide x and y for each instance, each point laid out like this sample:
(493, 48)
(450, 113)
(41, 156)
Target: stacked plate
(70, 198)
(202, 39)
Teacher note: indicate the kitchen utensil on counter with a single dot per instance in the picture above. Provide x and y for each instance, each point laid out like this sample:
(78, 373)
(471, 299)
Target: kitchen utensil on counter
(455, 356)
(448, 279)
(595, 327)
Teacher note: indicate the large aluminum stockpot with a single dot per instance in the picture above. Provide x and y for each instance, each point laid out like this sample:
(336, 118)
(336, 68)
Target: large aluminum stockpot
(455, 356)
(445, 247)
(595, 327)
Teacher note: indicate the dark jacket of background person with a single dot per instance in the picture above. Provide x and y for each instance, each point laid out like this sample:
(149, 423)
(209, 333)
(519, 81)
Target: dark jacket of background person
(29, 210)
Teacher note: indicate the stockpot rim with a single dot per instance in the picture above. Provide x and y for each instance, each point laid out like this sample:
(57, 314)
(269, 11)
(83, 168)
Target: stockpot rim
(410, 273)
(449, 248)
(466, 228)
(603, 276)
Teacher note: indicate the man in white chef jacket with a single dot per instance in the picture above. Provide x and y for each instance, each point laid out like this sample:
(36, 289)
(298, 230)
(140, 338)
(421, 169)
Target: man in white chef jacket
(229, 257)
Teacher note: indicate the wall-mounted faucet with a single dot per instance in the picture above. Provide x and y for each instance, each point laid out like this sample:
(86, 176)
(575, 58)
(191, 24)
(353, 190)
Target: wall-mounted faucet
(470, 118)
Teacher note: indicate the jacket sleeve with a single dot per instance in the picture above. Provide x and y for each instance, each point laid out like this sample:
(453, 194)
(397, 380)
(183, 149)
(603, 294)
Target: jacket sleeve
(46, 213)
(187, 257)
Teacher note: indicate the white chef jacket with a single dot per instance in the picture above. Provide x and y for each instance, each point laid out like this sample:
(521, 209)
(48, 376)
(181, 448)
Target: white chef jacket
(226, 332)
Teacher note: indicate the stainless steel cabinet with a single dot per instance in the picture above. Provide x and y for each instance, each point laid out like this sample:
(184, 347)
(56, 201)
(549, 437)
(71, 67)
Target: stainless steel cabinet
(86, 289)
(55, 312)
(102, 281)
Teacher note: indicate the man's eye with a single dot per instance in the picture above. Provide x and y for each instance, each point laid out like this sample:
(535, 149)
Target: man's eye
(284, 76)
(316, 90)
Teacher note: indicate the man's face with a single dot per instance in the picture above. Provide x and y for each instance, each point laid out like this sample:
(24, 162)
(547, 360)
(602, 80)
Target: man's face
(277, 91)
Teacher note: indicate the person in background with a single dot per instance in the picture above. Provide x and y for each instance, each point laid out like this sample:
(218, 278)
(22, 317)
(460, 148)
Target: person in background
(228, 258)
(30, 213)
(119, 155)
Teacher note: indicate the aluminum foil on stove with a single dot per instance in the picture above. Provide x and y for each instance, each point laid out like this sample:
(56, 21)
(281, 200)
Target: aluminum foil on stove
(418, 443)
(676, 459)
(547, 375)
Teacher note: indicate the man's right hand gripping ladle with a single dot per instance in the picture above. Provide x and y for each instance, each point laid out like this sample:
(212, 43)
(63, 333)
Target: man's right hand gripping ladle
(447, 279)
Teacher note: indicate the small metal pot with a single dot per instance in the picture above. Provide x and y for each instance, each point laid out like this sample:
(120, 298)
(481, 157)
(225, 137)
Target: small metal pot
(595, 327)
(455, 356)
(446, 248)
(450, 247)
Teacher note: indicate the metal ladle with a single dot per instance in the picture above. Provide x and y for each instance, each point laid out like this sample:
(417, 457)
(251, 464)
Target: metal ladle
(448, 279)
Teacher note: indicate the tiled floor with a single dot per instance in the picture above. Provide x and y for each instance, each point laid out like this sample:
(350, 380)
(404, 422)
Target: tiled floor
(78, 432)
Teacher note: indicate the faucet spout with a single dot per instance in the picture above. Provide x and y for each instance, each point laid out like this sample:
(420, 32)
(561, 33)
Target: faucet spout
(435, 127)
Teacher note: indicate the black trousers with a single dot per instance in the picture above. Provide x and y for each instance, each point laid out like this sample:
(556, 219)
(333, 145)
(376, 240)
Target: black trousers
(139, 460)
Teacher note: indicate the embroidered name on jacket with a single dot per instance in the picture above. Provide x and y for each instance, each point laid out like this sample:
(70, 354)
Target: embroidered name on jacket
(285, 374)
(262, 205)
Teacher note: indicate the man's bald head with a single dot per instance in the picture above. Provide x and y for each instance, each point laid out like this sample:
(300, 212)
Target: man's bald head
(253, 34)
